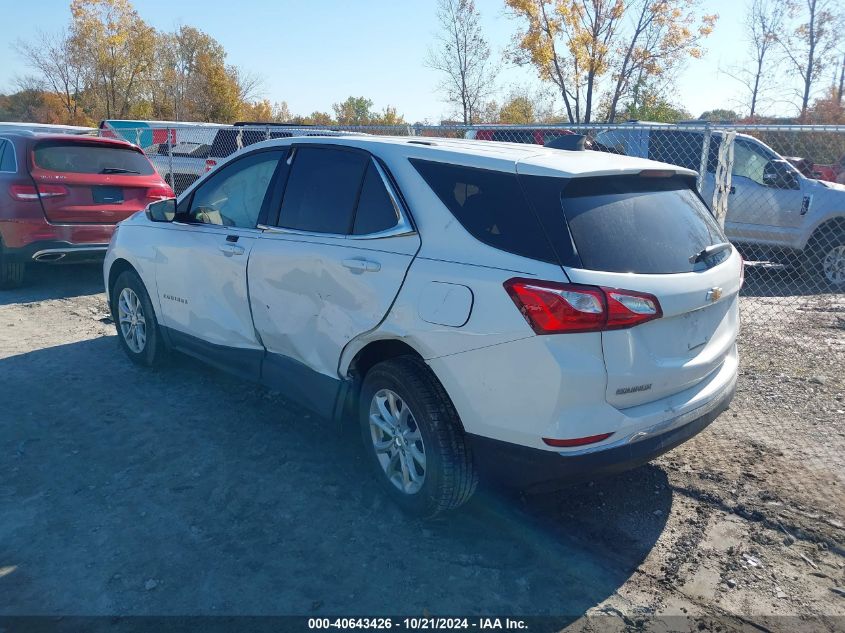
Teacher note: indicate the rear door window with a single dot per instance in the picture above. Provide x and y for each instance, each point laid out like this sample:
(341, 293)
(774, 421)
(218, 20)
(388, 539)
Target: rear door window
(490, 205)
(375, 211)
(322, 190)
(91, 158)
(635, 224)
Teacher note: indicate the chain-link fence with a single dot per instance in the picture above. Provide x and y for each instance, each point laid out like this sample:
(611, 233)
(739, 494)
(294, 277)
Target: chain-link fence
(773, 188)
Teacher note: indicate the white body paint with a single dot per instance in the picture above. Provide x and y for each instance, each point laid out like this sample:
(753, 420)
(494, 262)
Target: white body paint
(440, 291)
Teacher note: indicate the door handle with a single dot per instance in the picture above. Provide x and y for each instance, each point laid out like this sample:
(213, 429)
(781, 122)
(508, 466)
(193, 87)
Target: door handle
(229, 249)
(362, 265)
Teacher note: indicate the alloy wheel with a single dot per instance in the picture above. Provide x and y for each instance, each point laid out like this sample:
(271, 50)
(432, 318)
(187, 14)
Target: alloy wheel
(133, 325)
(397, 441)
(833, 265)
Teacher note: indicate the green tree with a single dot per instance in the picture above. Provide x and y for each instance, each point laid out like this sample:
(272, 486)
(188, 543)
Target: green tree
(719, 115)
(353, 111)
(518, 109)
(651, 106)
(387, 117)
(120, 49)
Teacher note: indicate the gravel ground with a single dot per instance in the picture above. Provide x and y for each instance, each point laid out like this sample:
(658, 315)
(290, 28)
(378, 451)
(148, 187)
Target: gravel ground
(187, 492)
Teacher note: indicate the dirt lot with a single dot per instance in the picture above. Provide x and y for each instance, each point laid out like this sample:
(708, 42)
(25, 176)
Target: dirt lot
(184, 491)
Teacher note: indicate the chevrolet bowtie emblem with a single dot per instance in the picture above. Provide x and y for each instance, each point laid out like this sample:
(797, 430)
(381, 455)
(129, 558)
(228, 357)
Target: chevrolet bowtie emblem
(714, 294)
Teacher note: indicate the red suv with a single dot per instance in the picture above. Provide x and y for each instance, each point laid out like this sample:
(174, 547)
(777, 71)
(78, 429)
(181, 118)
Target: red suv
(61, 196)
(509, 134)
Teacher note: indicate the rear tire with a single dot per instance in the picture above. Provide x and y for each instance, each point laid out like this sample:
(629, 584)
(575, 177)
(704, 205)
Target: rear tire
(415, 442)
(135, 321)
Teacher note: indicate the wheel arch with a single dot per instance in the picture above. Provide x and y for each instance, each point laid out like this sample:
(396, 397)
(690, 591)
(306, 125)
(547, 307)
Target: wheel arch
(377, 351)
(825, 227)
(117, 268)
(368, 356)
(833, 224)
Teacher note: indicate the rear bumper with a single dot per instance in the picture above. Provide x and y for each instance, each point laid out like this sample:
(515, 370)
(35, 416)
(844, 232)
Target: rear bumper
(523, 467)
(33, 240)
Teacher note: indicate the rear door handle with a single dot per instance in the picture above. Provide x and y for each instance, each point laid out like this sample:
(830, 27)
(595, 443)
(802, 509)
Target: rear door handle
(230, 249)
(362, 265)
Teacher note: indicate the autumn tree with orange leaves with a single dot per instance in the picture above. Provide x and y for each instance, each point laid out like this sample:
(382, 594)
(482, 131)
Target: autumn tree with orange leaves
(598, 52)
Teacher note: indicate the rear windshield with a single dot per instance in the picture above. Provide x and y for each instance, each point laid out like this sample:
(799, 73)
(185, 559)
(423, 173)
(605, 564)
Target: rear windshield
(639, 225)
(90, 158)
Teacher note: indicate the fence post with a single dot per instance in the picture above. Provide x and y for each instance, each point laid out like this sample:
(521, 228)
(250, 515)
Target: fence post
(722, 177)
(705, 154)
(170, 160)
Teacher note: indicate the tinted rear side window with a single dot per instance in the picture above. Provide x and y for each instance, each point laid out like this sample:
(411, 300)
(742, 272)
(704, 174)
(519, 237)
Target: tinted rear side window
(638, 225)
(322, 190)
(90, 158)
(375, 208)
(490, 205)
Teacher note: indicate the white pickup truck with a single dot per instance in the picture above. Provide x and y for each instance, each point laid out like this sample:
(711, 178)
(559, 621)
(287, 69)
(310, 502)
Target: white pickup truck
(181, 164)
(773, 209)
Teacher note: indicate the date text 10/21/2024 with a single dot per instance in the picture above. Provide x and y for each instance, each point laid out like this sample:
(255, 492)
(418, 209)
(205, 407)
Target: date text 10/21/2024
(423, 623)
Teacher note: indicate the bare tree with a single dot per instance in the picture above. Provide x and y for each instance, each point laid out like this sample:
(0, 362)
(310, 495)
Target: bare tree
(763, 24)
(660, 36)
(61, 68)
(809, 45)
(462, 54)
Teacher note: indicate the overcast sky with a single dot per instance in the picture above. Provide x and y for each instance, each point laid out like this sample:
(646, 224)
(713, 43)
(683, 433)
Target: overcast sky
(312, 54)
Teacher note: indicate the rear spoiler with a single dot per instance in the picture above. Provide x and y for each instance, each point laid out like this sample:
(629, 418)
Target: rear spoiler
(572, 142)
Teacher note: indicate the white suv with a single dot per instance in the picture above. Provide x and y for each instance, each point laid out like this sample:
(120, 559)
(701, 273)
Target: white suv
(482, 307)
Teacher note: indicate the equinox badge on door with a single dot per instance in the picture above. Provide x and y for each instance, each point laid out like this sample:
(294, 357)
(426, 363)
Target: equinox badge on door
(714, 294)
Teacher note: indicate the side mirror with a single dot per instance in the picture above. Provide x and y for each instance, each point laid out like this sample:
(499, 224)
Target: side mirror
(779, 174)
(162, 211)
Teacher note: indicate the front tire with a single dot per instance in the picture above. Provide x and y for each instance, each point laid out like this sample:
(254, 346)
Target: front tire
(414, 439)
(135, 321)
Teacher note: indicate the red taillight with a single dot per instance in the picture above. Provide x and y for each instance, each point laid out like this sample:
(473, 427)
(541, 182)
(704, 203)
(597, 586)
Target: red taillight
(160, 193)
(30, 192)
(555, 308)
(626, 308)
(210, 164)
(23, 192)
(577, 441)
(52, 191)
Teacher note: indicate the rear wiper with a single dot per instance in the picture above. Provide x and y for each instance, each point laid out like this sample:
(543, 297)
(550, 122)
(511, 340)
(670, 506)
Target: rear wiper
(118, 170)
(708, 252)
